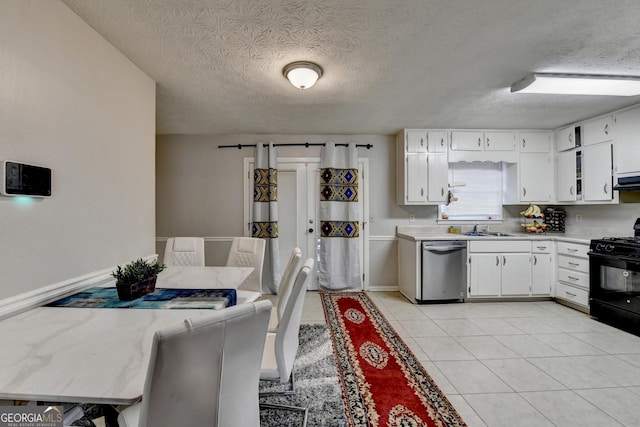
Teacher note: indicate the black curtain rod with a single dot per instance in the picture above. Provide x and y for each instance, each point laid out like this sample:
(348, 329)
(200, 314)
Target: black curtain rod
(301, 144)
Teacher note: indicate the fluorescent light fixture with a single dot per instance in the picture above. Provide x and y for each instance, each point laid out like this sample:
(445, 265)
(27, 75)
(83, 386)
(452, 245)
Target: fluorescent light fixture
(302, 74)
(576, 84)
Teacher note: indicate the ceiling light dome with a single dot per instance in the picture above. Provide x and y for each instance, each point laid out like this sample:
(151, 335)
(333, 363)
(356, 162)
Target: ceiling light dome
(302, 74)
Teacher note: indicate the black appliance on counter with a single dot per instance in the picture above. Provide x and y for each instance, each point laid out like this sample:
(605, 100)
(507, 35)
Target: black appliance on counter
(614, 281)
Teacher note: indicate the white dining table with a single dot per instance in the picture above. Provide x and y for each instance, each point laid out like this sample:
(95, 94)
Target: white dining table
(94, 355)
(213, 277)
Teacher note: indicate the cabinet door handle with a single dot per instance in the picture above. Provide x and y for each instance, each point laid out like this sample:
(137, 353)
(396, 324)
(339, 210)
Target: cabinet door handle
(479, 142)
(442, 191)
(488, 141)
(571, 190)
(524, 143)
(569, 293)
(524, 191)
(422, 191)
(573, 264)
(570, 137)
(422, 142)
(442, 142)
(606, 129)
(572, 250)
(605, 189)
(541, 248)
(504, 260)
(535, 260)
(497, 260)
(573, 278)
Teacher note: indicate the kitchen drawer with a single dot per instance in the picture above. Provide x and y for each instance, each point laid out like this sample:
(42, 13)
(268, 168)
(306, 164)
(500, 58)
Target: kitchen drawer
(541, 246)
(500, 246)
(575, 295)
(573, 249)
(575, 278)
(573, 263)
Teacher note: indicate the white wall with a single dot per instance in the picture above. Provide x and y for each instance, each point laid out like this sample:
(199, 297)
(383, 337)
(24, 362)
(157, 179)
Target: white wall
(199, 193)
(200, 190)
(70, 101)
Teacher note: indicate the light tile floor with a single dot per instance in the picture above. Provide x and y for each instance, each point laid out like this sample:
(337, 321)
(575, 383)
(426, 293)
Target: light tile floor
(518, 363)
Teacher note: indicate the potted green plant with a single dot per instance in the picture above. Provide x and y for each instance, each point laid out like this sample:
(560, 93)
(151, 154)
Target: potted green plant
(137, 278)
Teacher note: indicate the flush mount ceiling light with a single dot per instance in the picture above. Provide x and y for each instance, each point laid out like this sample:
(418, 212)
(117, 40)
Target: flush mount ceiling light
(576, 84)
(302, 74)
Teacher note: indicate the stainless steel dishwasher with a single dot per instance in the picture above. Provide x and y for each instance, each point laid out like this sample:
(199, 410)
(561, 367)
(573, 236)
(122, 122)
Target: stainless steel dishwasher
(444, 271)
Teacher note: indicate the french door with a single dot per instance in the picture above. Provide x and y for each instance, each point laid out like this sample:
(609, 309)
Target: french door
(298, 194)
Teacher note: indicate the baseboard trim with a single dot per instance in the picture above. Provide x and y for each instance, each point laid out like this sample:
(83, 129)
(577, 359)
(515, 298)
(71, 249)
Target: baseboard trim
(383, 289)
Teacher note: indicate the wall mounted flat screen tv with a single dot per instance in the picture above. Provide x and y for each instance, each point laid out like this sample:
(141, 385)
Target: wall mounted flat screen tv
(21, 179)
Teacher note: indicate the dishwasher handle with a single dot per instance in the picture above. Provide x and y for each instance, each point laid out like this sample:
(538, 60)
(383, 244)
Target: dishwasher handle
(443, 248)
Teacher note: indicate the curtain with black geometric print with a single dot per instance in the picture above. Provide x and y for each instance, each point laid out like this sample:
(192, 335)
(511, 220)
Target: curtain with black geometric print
(265, 212)
(339, 250)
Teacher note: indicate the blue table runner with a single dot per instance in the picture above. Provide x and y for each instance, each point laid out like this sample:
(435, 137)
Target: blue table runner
(98, 297)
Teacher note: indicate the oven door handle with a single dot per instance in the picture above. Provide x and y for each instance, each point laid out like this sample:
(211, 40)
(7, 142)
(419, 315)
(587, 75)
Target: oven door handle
(614, 258)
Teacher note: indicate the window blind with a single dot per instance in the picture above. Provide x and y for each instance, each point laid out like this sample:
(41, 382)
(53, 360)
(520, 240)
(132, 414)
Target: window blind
(478, 188)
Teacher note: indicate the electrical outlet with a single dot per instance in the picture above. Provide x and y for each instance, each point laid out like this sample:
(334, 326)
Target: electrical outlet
(412, 217)
(578, 217)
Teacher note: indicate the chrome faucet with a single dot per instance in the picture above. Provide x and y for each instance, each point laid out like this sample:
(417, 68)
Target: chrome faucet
(475, 228)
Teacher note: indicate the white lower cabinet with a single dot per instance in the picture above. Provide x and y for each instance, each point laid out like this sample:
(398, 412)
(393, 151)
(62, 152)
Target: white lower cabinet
(573, 274)
(516, 275)
(485, 275)
(499, 268)
(541, 268)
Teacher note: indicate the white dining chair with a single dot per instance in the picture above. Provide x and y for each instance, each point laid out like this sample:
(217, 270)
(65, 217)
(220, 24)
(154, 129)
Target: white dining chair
(280, 348)
(248, 252)
(284, 290)
(184, 252)
(204, 372)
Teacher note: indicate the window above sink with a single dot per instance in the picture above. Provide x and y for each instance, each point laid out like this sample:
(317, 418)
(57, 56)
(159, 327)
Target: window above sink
(478, 196)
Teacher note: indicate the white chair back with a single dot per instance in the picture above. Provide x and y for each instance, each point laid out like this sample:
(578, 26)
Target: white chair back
(206, 371)
(184, 252)
(248, 252)
(286, 282)
(286, 342)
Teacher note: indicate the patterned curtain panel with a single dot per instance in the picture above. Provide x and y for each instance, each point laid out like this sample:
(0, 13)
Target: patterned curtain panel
(339, 253)
(265, 212)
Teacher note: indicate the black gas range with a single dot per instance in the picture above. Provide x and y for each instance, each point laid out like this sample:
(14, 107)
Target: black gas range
(614, 280)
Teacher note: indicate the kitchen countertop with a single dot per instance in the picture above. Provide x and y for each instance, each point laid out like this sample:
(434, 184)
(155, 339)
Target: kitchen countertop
(431, 233)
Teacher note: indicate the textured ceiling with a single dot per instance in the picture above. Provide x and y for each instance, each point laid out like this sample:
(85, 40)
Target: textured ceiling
(388, 64)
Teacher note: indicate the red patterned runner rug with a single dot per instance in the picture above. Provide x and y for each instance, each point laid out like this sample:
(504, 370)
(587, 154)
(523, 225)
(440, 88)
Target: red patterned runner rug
(383, 384)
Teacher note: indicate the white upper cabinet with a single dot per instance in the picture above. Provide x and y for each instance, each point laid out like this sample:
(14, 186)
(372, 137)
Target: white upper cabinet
(500, 141)
(437, 141)
(463, 140)
(597, 174)
(416, 178)
(628, 142)
(566, 186)
(530, 180)
(598, 130)
(437, 177)
(535, 142)
(536, 177)
(422, 168)
(483, 146)
(416, 141)
(567, 138)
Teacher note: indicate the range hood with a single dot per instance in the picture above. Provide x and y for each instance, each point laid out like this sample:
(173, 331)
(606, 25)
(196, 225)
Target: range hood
(629, 183)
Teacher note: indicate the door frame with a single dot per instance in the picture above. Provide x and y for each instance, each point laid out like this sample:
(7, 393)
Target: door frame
(363, 165)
